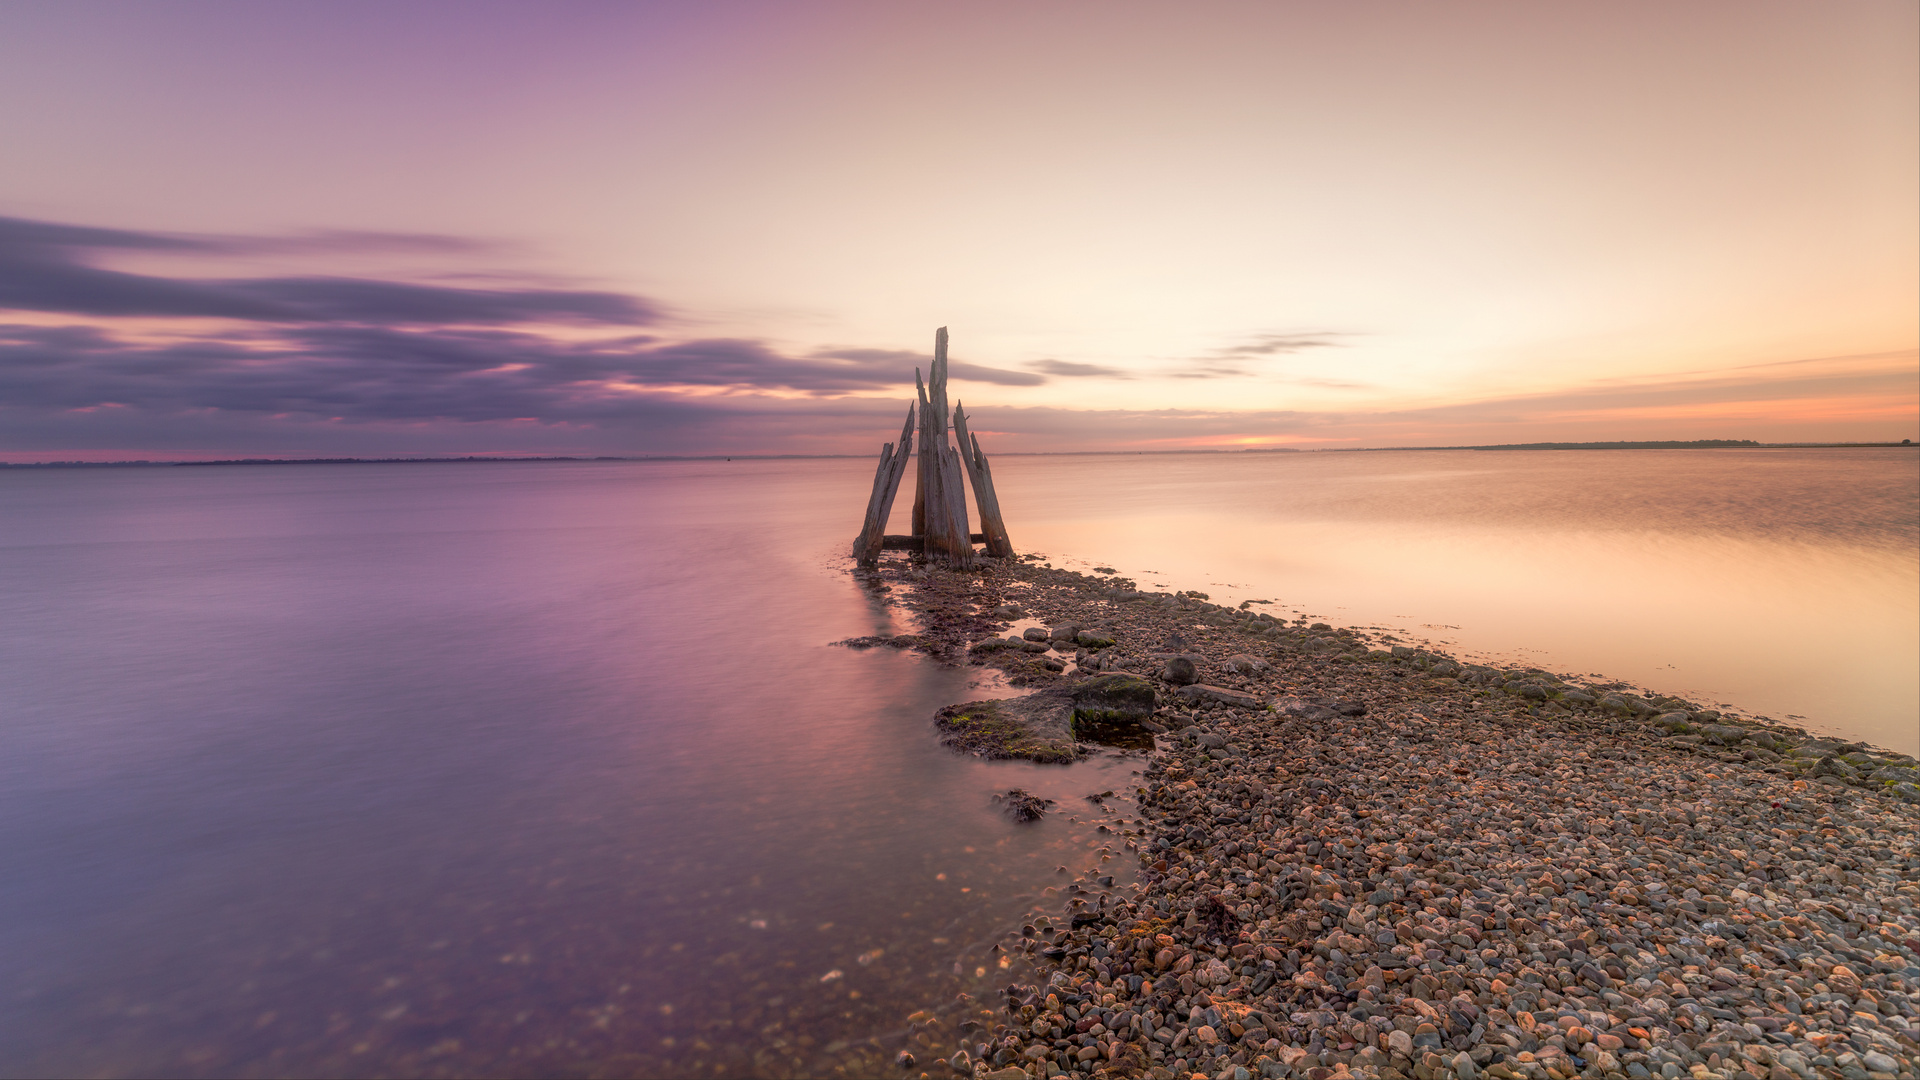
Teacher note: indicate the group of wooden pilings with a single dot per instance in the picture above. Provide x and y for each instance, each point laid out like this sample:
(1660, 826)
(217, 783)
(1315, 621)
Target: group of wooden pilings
(939, 500)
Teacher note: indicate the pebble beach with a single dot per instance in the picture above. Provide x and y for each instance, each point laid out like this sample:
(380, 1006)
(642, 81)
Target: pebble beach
(1362, 858)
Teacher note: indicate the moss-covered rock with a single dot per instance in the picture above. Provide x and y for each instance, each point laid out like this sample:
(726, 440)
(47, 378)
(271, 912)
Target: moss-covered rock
(1113, 709)
(1038, 727)
(1114, 698)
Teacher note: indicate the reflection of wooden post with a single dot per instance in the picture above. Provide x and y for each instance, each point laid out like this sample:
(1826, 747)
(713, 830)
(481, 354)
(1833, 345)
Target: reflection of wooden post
(886, 484)
(992, 527)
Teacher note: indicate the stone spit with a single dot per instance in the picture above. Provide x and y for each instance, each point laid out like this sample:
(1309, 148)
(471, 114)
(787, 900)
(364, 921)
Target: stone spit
(1384, 862)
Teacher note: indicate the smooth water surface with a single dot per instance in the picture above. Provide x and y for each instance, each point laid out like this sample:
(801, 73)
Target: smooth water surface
(549, 767)
(479, 769)
(1779, 582)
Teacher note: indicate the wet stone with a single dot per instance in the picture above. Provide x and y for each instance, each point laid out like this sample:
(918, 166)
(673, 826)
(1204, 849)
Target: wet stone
(1416, 865)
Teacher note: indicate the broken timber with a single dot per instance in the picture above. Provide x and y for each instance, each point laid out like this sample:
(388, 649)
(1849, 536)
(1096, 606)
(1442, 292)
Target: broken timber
(994, 530)
(948, 539)
(886, 484)
(939, 500)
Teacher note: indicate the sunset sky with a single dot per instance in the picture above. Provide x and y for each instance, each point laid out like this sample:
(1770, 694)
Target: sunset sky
(372, 229)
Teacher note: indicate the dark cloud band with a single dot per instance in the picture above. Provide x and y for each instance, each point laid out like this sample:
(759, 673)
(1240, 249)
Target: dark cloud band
(44, 268)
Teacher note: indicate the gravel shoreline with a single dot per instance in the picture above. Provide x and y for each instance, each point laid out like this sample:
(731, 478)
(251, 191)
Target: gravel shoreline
(1396, 864)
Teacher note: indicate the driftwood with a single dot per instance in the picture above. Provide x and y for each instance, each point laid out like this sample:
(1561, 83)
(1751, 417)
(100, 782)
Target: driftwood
(940, 528)
(992, 526)
(886, 484)
(941, 496)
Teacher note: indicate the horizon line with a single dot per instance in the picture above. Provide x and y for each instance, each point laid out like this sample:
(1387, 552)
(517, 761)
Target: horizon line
(1624, 444)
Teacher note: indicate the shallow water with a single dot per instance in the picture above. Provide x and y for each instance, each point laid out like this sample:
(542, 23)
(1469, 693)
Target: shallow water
(472, 769)
(1784, 583)
(536, 768)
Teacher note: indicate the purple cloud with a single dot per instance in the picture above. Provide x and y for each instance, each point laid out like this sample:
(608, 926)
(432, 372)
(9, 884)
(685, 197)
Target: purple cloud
(43, 268)
(363, 350)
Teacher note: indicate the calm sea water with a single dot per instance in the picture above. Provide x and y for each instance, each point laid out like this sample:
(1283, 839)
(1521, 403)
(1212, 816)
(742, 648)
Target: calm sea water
(1783, 583)
(548, 768)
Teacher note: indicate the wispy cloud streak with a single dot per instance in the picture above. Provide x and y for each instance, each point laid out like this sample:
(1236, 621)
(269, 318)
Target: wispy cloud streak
(366, 349)
(44, 267)
(300, 359)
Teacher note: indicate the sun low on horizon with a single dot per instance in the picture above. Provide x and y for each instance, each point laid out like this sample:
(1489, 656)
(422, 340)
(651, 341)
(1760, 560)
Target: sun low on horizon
(231, 230)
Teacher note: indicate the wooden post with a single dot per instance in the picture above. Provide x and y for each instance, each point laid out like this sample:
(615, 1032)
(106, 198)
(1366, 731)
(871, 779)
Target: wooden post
(886, 484)
(946, 535)
(959, 536)
(937, 393)
(939, 493)
(992, 527)
(919, 519)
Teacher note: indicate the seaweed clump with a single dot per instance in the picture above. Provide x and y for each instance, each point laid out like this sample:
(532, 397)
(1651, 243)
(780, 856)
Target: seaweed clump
(1216, 918)
(1023, 806)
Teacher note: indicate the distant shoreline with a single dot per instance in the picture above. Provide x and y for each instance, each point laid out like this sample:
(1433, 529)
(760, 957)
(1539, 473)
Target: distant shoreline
(1695, 444)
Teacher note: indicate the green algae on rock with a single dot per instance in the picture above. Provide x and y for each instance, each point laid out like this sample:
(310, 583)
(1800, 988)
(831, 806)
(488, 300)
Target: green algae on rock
(1112, 709)
(1048, 726)
(1038, 727)
(1116, 697)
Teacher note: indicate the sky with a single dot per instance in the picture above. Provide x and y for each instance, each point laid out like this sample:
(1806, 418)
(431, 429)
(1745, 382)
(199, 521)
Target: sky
(287, 230)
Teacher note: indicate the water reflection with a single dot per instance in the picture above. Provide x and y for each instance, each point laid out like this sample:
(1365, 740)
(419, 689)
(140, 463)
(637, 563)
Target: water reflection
(1782, 582)
(485, 770)
(542, 768)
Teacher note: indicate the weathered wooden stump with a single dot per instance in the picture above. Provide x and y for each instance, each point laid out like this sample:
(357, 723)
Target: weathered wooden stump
(991, 525)
(886, 484)
(940, 529)
(948, 538)
(940, 497)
